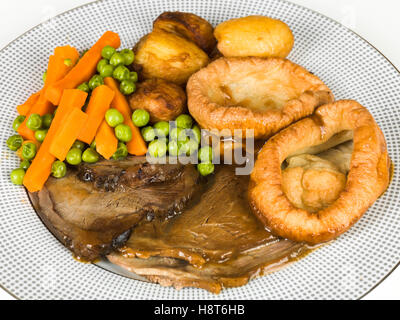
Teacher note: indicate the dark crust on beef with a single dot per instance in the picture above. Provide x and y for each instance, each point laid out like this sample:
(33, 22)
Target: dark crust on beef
(92, 217)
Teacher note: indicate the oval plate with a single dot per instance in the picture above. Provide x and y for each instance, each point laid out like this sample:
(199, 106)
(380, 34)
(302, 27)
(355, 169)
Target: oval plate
(34, 265)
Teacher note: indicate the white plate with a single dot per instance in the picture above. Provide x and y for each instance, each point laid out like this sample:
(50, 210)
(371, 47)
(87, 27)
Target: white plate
(34, 265)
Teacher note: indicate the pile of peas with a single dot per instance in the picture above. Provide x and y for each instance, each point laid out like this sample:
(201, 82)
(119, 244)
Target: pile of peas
(81, 152)
(27, 149)
(183, 138)
(114, 64)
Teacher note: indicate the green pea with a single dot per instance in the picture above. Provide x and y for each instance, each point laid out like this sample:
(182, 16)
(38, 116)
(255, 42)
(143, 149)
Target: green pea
(123, 133)
(184, 121)
(196, 133)
(25, 164)
(128, 55)
(93, 144)
(173, 148)
(107, 71)
(188, 147)
(157, 148)
(40, 135)
(90, 156)
(46, 120)
(114, 117)
(178, 134)
(117, 59)
(84, 87)
(79, 144)
(58, 169)
(34, 122)
(162, 129)
(68, 62)
(121, 73)
(17, 176)
(148, 134)
(28, 151)
(95, 81)
(133, 76)
(74, 156)
(108, 52)
(44, 76)
(121, 153)
(101, 64)
(127, 87)
(17, 122)
(205, 168)
(15, 142)
(206, 154)
(140, 117)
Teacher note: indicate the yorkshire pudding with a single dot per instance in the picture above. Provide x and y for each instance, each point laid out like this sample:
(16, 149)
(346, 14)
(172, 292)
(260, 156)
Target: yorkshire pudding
(319, 196)
(255, 93)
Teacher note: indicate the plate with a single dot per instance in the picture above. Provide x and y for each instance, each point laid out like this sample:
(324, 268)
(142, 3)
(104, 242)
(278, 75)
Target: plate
(34, 265)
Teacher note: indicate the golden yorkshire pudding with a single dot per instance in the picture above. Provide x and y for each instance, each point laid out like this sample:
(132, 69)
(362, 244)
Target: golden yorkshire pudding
(188, 25)
(316, 197)
(265, 95)
(163, 100)
(168, 56)
(257, 36)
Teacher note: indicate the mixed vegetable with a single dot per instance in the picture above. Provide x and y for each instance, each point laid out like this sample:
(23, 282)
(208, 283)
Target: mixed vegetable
(82, 114)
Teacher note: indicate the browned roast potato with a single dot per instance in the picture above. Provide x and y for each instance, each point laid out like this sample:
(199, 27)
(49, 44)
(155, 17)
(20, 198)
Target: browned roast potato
(256, 36)
(188, 25)
(168, 56)
(163, 100)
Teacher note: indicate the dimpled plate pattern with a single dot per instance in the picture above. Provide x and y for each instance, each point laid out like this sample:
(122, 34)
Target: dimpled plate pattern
(34, 265)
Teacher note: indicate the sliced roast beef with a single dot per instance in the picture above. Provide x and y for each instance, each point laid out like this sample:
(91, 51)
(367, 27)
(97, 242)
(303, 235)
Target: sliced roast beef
(93, 209)
(216, 242)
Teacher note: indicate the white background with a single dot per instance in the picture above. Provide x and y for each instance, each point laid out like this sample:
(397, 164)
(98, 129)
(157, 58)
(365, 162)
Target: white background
(376, 21)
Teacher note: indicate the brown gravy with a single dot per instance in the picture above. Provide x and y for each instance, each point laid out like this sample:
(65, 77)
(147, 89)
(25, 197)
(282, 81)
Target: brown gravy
(217, 242)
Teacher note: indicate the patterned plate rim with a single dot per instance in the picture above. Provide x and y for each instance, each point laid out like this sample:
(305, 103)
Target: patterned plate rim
(96, 2)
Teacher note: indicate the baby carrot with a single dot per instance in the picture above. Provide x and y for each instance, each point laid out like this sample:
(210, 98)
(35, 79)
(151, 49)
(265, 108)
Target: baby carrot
(67, 133)
(56, 69)
(106, 142)
(99, 103)
(40, 168)
(85, 68)
(23, 109)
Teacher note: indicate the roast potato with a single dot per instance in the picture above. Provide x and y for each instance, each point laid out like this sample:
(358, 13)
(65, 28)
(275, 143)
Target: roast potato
(163, 100)
(256, 36)
(189, 26)
(168, 56)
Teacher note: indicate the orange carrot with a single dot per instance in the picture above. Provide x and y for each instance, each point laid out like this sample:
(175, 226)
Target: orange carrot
(40, 168)
(106, 142)
(61, 55)
(99, 103)
(71, 98)
(85, 68)
(67, 52)
(67, 133)
(56, 69)
(23, 109)
(137, 146)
